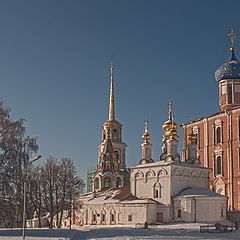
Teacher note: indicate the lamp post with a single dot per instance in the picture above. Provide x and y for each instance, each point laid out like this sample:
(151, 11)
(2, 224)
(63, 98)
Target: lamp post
(24, 192)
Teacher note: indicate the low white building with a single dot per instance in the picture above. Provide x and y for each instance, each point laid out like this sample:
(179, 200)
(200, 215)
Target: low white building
(34, 222)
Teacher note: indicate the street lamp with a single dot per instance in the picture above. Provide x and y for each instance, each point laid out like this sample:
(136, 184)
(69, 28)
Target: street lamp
(24, 192)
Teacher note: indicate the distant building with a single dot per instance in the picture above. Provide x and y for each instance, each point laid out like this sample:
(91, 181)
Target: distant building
(34, 222)
(218, 135)
(164, 191)
(90, 175)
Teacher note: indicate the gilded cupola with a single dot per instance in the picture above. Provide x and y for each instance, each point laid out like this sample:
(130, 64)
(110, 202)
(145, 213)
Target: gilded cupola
(146, 136)
(192, 137)
(170, 126)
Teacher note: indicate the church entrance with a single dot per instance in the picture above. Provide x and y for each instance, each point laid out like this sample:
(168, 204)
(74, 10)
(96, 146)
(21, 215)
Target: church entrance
(160, 217)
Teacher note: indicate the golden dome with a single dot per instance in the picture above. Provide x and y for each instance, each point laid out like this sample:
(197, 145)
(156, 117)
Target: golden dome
(172, 132)
(169, 125)
(192, 137)
(146, 137)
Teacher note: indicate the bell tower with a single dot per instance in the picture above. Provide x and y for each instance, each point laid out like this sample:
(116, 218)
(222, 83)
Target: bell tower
(111, 169)
(115, 127)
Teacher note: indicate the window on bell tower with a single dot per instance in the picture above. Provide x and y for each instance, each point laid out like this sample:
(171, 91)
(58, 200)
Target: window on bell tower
(115, 133)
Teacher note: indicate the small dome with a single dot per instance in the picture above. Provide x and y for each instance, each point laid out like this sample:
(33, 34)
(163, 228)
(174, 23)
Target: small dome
(172, 132)
(146, 137)
(230, 69)
(192, 137)
(169, 124)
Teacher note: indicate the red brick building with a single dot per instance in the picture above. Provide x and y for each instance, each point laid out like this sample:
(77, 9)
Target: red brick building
(218, 135)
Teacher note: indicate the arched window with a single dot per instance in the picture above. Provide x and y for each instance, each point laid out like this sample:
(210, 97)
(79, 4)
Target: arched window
(117, 155)
(112, 216)
(156, 194)
(157, 190)
(115, 133)
(107, 182)
(218, 135)
(94, 217)
(118, 182)
(218, 165)
(103, 216)
(179, 213)
(96, 183)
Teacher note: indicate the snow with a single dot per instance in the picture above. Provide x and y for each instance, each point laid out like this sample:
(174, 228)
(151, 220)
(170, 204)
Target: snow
(166, 232)
(198, 192)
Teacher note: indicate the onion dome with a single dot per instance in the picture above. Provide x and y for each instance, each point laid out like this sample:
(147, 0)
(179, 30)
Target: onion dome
(172, 133)
(192, 137)
(146, 136)
(230, 69)
(170, 124)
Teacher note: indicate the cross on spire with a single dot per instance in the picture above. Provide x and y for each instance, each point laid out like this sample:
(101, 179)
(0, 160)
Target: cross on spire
(232, 37)
(146, 126)
(170, 112)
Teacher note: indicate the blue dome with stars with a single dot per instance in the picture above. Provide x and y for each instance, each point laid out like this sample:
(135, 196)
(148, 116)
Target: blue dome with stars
(230, 69)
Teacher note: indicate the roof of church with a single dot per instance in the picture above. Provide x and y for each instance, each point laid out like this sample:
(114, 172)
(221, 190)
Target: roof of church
(108, 147)
(114, 195)
(209, 116)
(163, 163)
(197, 192)
(229, 70)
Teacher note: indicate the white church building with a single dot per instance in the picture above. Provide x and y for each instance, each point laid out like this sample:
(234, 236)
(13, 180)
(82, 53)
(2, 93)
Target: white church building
(163, 191)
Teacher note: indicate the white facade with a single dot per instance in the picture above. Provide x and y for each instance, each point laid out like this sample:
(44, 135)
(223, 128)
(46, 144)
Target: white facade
(159, 192)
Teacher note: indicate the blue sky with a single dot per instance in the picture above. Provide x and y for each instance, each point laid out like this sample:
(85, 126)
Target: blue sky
(55, 57)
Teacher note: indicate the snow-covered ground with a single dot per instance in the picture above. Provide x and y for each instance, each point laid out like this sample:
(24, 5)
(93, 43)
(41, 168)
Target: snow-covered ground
(166, 232)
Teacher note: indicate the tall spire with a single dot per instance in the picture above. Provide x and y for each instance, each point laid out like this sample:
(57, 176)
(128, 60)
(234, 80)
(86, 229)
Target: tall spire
(111, 98)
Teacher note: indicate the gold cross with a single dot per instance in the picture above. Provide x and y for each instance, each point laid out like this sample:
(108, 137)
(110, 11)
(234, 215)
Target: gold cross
(232, 37)
(146, 126)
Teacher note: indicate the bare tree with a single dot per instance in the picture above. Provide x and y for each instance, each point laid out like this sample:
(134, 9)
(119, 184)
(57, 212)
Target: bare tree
(60, 185)
(15, 151)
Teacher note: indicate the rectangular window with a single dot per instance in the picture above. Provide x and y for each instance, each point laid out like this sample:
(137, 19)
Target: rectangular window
(112, 217)
(229, 93)
(179, 213)
(130, 217)
(156, 193)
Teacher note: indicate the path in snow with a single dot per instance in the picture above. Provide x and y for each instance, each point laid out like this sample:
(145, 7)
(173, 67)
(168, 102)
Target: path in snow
(166, 232)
